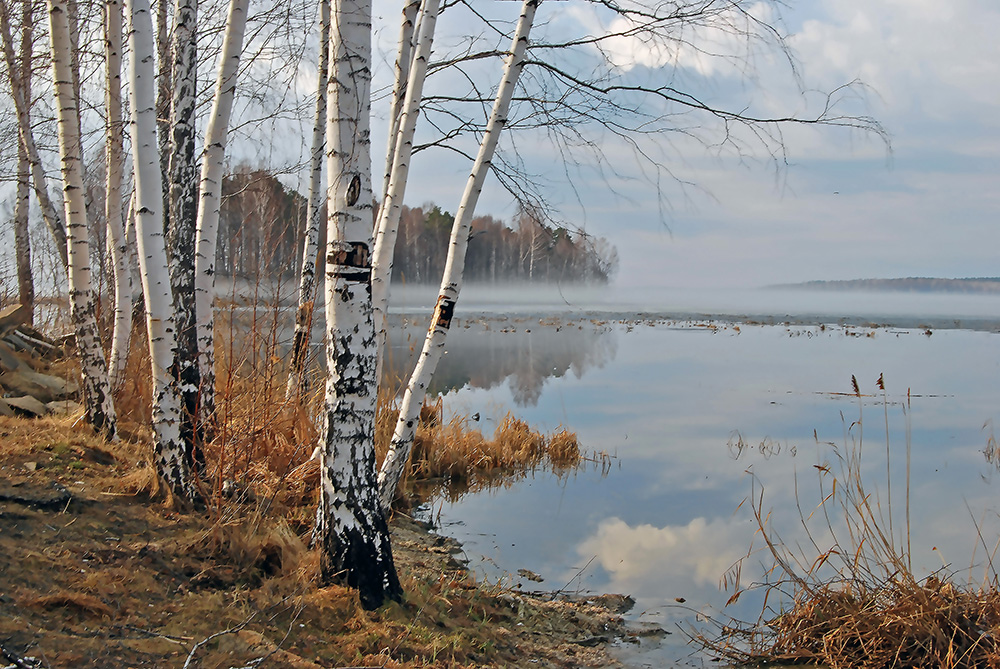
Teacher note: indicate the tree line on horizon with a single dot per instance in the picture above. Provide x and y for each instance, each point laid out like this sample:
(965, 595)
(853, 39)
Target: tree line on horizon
(261, 224)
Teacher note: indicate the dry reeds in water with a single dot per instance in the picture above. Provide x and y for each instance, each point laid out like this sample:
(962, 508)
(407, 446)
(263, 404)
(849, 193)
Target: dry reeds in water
(857, 604)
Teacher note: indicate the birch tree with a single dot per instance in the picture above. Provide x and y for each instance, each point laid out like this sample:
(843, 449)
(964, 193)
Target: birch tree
(114, 128)
(210, 195)
(351, 530)
(83, 304)
(183, 212)
(402, 72)
(314, 218)
(20, 92)
(172, 463)
(402, 150)
(451, 281)
(22, 242)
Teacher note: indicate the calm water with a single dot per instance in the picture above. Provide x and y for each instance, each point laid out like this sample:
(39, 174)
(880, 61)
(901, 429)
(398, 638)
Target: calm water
(668, 392)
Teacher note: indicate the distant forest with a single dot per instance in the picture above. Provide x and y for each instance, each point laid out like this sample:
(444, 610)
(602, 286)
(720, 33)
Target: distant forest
(911, 284)
(261, 224)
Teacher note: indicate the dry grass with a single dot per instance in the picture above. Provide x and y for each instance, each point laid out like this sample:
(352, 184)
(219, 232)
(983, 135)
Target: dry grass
(116, 580)
(857, 603)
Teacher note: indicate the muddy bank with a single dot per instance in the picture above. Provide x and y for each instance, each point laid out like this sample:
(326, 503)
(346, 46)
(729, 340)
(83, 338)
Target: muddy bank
(94, 571)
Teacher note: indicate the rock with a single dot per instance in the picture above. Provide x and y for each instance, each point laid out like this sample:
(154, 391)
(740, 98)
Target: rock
(9, 360)
(5, 409)
(39, 341)
(18, 383)
(13, 316)
(28, 405)
(63, 406)
(58, 386)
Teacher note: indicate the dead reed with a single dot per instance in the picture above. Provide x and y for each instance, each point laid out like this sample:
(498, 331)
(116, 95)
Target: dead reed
(857, 603)
(262, 443)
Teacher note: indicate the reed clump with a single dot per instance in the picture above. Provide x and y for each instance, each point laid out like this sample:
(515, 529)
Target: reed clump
(261, 441)
(456, 451)
(858, 603)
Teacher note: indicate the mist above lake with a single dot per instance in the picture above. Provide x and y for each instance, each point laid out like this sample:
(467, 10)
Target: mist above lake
(768, 305)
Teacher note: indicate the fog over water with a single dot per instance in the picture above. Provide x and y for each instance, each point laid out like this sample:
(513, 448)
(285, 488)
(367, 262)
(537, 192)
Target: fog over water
(670, 383)
(775, 305)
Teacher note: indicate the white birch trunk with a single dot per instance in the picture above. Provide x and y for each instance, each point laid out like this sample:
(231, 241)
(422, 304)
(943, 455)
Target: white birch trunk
(170, 454)
(183, 212)
(22, 241)
(113, 194)
(451, 281)
(350, 528)
(210, 195)
(21, 96)
(392, 204)
(83, 305)
(164, 86)
(307, 276)
(402, 69)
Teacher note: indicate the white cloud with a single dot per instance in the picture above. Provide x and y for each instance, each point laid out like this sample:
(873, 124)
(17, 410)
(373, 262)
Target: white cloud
(666, 561)
(713, 44)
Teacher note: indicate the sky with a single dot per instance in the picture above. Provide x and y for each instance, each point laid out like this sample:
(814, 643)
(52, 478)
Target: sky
(840, 204)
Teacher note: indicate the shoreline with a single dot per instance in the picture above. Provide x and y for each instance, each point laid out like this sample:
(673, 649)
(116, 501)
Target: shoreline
(108, 576)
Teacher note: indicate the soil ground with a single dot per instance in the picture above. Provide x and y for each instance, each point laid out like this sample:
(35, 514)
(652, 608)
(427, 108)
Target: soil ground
(97, 572)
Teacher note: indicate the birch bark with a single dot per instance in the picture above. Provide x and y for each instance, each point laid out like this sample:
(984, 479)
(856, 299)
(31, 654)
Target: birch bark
(171, 462)
(22, 241)
(297, 381)
(392, 204)
(350, 528)
(83, 305)
(402, 70)
(164, 86)
(210, 195)
(22, 102)
(451, 281)
(113, 193)
(183, 213)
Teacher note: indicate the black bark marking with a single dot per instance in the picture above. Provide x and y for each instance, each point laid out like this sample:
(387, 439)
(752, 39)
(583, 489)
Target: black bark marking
(443, 313)
(354, 191)
(352, 265)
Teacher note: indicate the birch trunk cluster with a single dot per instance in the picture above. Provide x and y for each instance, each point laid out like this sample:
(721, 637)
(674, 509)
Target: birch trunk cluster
(181, 224)
(451, 283)
(98, 400)
(210, 196)
(170, 449)
(115, 155)
(297, 379)
(351, 530)
(401, 146)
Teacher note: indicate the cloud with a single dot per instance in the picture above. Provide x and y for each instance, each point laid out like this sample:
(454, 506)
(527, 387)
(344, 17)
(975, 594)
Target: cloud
(929, 57)
(714, 42)
(666, 561)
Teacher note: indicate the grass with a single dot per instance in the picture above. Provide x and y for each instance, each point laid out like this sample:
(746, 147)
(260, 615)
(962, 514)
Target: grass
(114, 579)
(852, 598)
(119, 578)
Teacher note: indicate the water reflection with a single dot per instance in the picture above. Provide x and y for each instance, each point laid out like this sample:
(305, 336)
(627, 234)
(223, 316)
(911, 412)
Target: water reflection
(704, 419)
(524, 353)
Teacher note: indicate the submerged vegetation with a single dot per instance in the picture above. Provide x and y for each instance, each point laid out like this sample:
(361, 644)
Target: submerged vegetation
(852, 599)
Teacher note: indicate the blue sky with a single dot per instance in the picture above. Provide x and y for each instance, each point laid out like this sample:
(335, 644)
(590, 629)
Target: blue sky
(843, 207)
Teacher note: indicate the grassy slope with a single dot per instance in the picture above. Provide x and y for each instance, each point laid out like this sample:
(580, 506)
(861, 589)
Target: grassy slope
(116, 578)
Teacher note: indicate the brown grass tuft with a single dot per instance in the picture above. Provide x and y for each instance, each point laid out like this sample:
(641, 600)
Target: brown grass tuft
(80, 601)
(857, 604)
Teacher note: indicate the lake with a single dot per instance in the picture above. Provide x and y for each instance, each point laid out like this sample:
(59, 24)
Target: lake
(706, 401)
